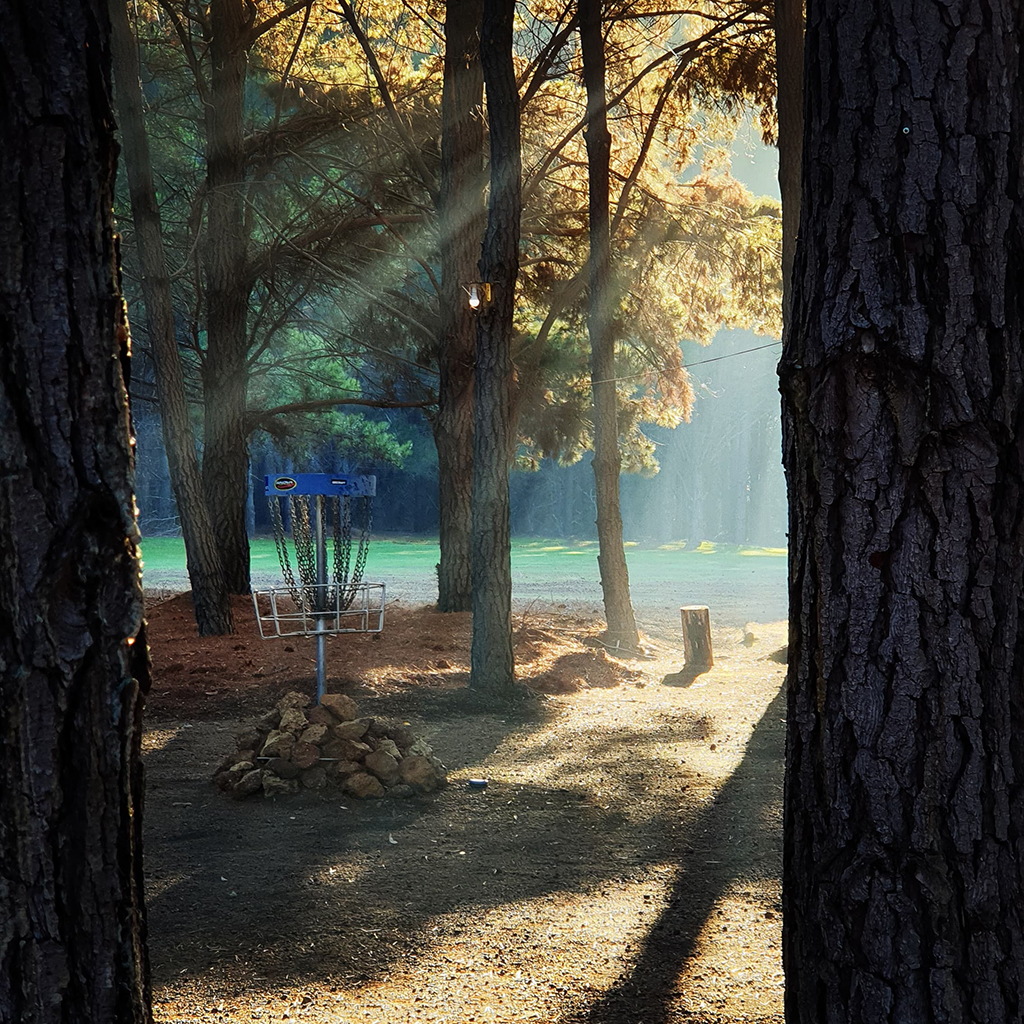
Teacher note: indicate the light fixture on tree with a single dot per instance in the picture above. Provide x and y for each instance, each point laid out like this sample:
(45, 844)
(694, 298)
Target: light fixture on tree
(479, 293)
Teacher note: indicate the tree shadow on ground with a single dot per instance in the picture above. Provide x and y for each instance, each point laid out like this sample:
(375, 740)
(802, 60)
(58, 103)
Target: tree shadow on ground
(684, 677)
(276, 892)
(521, 707)
(723, 847)
(226, 879)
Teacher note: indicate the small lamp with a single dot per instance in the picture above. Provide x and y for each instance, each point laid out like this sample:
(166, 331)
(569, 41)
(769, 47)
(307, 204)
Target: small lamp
(479, 293)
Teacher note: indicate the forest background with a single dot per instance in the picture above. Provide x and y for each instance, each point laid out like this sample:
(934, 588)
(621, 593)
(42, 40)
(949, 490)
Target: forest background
(342, 265)
(901, 431)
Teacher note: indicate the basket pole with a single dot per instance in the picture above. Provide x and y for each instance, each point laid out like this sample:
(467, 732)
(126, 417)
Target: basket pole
(321, 598)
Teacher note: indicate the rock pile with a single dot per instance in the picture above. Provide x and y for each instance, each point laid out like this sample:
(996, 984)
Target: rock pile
(292, 748)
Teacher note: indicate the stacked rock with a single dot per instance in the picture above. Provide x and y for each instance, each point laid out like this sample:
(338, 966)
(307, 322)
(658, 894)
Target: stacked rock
(292, 748)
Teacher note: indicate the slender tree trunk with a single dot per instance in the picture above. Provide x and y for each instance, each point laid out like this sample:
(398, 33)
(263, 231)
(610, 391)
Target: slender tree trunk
(492, 667)
(225, 369)
(789, 67)
(209, 590)
(759, 458)
(618, 609)
(73, 657)
(903, 391)
(461, 217)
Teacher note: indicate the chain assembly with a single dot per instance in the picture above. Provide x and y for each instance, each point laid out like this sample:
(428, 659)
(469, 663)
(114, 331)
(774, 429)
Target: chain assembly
(346, 584)
(323, 592)
(347, 514)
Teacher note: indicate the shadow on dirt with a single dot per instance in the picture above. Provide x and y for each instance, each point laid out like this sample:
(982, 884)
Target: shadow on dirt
(684, 677)
(687, 726)
(522, 707)
(275, 892)
(725, 844)
(227, 880)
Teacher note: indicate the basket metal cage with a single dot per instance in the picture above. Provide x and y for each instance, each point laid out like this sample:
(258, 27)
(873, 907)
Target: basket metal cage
(319, 610)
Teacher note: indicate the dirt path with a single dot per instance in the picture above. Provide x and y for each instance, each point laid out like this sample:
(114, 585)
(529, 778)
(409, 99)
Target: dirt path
(621, 866)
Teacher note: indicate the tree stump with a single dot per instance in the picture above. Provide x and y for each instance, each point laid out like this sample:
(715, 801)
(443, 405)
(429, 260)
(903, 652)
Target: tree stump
(697, 638)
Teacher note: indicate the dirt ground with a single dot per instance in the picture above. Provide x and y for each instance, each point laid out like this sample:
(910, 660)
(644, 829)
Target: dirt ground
(621, 865)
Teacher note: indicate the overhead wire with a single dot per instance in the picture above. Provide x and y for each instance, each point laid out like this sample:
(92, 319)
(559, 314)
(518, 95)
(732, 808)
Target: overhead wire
(687, 366)
(730, 355)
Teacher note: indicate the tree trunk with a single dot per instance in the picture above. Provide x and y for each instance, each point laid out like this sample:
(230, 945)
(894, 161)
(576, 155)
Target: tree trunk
(618, 609)
(73, 657)
(789, 68)
(225, 369)
(492, 667)
(698, 653)
(903, 395)
(209, 590)
(461, 218)
(759, 458)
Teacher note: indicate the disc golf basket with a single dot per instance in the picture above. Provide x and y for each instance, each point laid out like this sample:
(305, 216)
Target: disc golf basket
(328, 596)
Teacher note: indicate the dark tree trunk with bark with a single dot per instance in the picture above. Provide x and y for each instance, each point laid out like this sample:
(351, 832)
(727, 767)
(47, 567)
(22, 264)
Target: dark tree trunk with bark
(618, 608)
(73, 659)
(225, 368)
(209, 590)
(492, 668)
(789, 72)
(903, 394)
(461, 218)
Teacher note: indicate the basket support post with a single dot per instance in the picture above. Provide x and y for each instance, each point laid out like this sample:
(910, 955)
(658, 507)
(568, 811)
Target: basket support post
(321, 599)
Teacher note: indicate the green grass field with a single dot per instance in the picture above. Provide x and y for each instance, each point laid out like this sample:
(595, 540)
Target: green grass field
(534, 558)
(739, 583)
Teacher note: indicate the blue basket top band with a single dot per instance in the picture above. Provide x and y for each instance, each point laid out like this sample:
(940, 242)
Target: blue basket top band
(328, 484)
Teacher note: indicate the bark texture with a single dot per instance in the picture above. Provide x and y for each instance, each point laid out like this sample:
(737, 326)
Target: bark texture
(225, 369)
(611, 559)
(209, 588)
(461, 217)
(696, 623)
(73, 661)
(903, 426)
(492, 668)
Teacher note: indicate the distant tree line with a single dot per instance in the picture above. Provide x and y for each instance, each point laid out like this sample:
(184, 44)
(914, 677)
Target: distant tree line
(719, 478)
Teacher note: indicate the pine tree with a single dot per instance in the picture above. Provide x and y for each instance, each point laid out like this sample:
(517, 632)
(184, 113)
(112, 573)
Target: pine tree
(903, 391)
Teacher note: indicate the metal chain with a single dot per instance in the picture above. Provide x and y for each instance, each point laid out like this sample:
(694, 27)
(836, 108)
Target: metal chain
(346, 592)
(346, 538)
(364, 539)
(305, 554)
(343, 591)
(280, 542)
(346, 583)
(334, 592)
